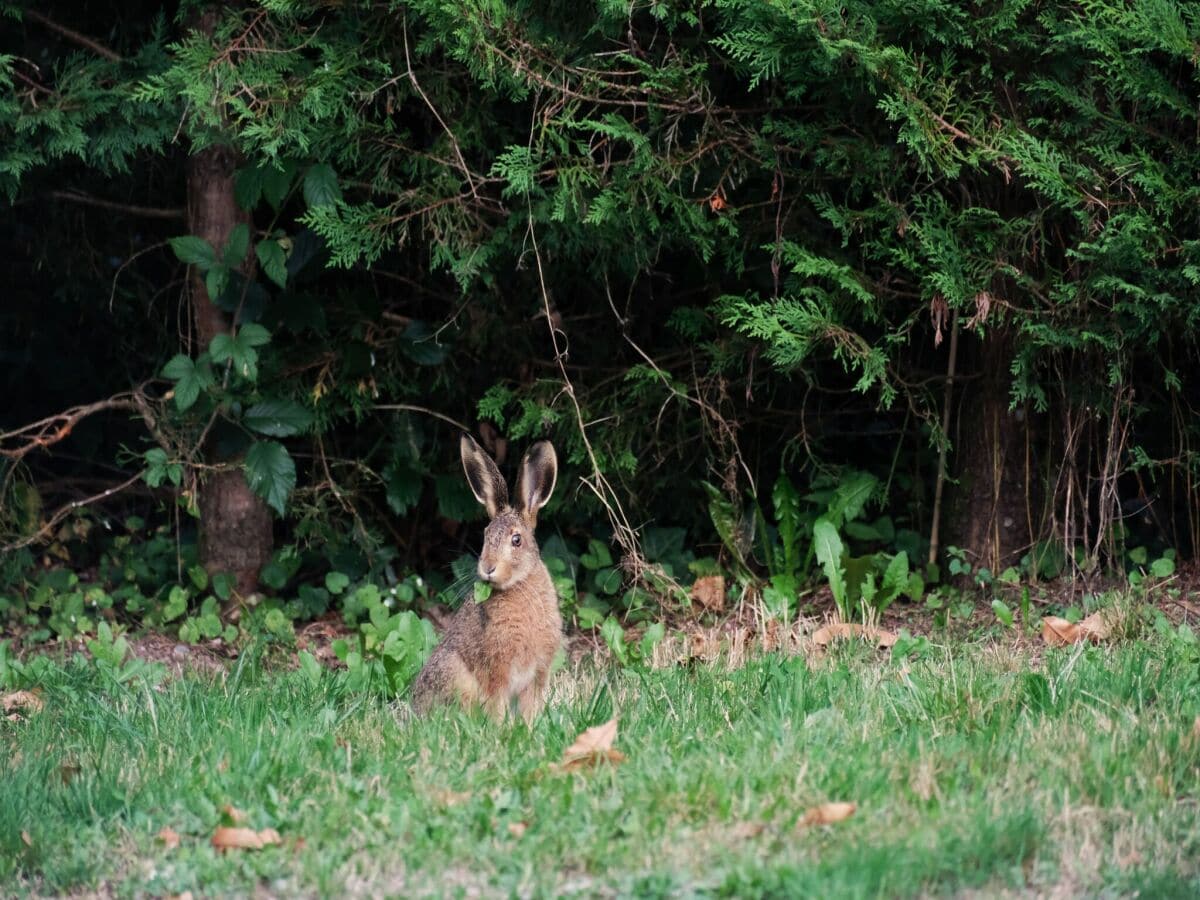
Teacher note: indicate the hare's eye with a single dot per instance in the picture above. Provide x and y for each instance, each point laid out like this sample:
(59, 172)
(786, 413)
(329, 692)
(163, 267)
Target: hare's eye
(516, 539)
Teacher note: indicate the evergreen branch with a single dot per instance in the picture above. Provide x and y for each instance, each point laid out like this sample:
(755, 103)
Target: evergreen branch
(412, 77)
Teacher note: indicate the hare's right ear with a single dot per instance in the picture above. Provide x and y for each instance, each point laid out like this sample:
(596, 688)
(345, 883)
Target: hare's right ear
(487, 484)
(535, 484)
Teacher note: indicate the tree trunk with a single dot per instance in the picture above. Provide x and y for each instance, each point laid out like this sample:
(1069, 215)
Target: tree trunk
(235, 525)
(989, 516)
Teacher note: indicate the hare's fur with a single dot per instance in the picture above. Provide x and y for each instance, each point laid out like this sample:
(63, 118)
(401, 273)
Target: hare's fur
(501, 650)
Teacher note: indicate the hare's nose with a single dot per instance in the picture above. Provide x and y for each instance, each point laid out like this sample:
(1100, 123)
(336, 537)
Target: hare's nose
(487, 572)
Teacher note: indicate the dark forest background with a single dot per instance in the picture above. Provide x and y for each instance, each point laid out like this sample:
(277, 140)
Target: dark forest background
(804, 293)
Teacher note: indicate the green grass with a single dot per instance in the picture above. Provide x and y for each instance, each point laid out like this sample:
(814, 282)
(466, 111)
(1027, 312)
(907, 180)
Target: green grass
(972, 771)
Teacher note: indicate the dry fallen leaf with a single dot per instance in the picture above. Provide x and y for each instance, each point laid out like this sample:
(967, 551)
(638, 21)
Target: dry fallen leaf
(709, 592)
(233, 814)
(1098, 626)
(26, 838)
(21, 703)
(844, 630)
(516, 829)
(828, 813)
(1059, 632)
(168, 838)
(593, 746)
(244, 838)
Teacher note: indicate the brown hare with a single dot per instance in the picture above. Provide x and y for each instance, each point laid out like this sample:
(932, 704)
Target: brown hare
(500, 650)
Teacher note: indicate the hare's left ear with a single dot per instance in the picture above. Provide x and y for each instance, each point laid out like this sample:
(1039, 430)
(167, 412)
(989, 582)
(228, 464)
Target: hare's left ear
(487, 484)
(535, 484)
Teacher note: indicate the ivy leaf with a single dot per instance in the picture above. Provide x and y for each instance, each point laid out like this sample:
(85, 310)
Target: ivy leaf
(227, 348)
(273, 261)
(176, 604)
(321, 186)
(420, 344)
(278, 418)
(195, 251)
(190, 377)
(156, 466)
(237, 245)
(271, 473)
(215, 281)
(254, 335)
(402, 486)
(1163, 567)
(248, 187)
(239, 349)
(275, 183)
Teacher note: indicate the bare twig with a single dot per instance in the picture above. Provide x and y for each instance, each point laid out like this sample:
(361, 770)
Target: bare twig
(52, 429)
(147, 212)
(65, 511)
(71, 34)
(941, 469)
(623, 531)
(412, 77)
(408, 407)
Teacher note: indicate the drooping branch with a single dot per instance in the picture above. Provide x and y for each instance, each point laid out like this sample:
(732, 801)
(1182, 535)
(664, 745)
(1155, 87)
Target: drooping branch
(72, 35)
(148, 212)
(49, 431)
(50, 524)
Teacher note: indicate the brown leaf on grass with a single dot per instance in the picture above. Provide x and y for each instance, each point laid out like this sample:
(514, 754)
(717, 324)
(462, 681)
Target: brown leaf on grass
(233, 814)
(244, 838)
(28, 841)
(168, 837)
(1098, 626)
(1059, 632)
(840, 631)
(21, 703)
(516, 829)
(828, 813)
(709, 592)
(592, 747)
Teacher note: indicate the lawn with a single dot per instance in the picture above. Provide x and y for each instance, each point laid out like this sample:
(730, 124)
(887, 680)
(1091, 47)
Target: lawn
(975, 768)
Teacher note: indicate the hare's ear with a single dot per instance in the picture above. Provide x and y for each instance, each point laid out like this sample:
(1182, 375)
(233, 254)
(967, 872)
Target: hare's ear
(535, 484)
(487, 484)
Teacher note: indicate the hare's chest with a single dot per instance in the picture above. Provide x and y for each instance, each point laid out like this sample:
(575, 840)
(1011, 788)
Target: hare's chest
(520, 677)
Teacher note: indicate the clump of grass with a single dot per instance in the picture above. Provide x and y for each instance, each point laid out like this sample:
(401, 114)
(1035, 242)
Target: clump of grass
(969, 773)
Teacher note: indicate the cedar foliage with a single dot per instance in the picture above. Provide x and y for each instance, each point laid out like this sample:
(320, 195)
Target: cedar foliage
(742, 230)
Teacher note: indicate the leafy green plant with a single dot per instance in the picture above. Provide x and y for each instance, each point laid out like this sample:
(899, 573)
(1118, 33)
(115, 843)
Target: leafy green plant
(631, 656)
(110, 653)
(1145, 571)
(390, 649)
